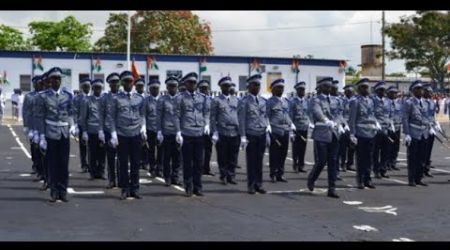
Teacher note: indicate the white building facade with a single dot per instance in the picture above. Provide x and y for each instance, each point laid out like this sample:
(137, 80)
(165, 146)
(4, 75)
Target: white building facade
(18, 65)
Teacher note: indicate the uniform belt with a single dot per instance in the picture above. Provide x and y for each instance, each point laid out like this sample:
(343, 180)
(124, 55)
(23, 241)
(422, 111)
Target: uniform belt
(58, 123)
(366, 125)
(320, 124)
(417, 126)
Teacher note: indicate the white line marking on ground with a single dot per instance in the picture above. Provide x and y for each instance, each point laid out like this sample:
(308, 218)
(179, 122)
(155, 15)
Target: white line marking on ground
(402, 239)
(402, 153)
(19, 142)
(447, 157)
(24, 175)
(440, 170)
(395, 180)
(403, 164)
(386, 209)
(309, 163)
(401, 159)
(15, 148)
(144, 181)
(8, 158)
(351, 203)
(365, 228)
(174, 186)
(72, 156)
(72, 191)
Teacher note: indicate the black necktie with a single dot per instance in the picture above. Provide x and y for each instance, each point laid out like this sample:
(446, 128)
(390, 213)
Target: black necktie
(420, 103)
(328, 99)
(129, 95)
(256, 98)
(57, 95)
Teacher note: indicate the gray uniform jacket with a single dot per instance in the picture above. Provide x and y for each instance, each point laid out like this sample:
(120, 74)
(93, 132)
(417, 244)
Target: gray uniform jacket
(337, 110)
(362, 122)
(76, 107)
(127, 114)
(165, 113)
(278, 114)
(415, 123)
(252, 116)
(396, 113)
(106, 102)
(224, 115)
(192, 113)
(150, 113)
(90, 114)
(382, 113)
(320, 113)
(298, 112)
(27, 109)
(345, 102)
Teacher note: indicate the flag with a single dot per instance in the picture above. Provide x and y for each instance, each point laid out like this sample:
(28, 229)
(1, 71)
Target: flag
(37, 63)
(342, 66)
(4, 78)
(255, 66)
(151, 63)
(448, 67)
(295, 65)
(135, 71)
(97, 65)
(203, 67)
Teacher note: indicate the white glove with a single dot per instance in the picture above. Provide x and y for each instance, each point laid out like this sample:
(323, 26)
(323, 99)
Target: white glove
(25, 130)
(101, 136)
(392, 127)
(293, 128)
(311, 126)
(114, 141)
(267, 140)
(407, 140)
(292, 136)
(330, 123)
(432, 131)
(377, 125)
(30, 134)
(346, 128)
(438, 127)
(179, 138)
(144, 133)
(353, 139)
(244, 142)
(36, 138)
(160, 137)
(74, 130)
(84, 136)
(341, 129)
(43, 143)
(215, 137)
(207, 132)
(269, 129)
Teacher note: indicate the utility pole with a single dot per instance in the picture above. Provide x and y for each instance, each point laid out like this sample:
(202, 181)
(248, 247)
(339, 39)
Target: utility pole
(383, 45)
(128, 40)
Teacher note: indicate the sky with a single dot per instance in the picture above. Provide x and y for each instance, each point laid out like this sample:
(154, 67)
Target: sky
(323, 34)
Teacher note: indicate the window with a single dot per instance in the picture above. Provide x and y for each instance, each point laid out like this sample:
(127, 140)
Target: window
(25, 82)
(99, 76)
(176, 73)
(242, 83)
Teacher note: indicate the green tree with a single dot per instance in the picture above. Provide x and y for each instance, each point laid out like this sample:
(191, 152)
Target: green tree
(397, 74)
(12, 39)
(66, 35)
(165, 32)
(350, 71)
(423, 40)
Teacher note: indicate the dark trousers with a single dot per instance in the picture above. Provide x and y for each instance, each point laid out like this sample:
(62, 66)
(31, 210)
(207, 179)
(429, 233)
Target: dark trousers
(171, 158)
(416, 158)
(364, 158)
(193, 150)
(227, 149)
(346, 150)
(33, 156)
(428, 151)
(254, 159)
(277, 154)
(111, 153)
(38, 160)
(394, 148)
(299, 149)
(208, 151)
(380, 153)
(97, 153)
(83, 150)
(58, 164)
(326, 154)
(128, 152)
(149, 153)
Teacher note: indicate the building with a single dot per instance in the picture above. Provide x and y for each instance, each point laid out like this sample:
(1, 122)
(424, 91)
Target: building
(371, 60)
(77, 66)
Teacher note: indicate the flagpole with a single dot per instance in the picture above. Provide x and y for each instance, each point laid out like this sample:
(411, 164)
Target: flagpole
(128, 40)
(32, 66)
(146, 82)
(91, 75)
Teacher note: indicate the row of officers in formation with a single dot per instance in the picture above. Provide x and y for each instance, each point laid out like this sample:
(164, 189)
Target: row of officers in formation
(127, 129)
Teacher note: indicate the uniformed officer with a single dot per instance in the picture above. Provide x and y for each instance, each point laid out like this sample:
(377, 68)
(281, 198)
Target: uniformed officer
(337, 113)
(150, 114)
(90, 125)
(430, 106)
(85, 89)
(396, 117)
(416, 130)
(382, 139)
(143, 158)
(233, 89)
(192, 118)
(203, 87)
(28, 126)
(167, 131)
(127, 132)
(181, 87)
(106, 102)
(300, 117)
(282, 128)
(363, 129)
(325, 136)
(225, 130)
(346, 147)
(254, 129)
(54, 123)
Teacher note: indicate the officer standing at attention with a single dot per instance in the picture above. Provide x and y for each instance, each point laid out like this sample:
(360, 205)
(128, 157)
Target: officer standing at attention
(54, 123)
(150, 123)
(299, 115)
(203, 87)
(225, 130)
(282, 129)
(140, 89)
(85, 89)
(382, 139)
(192, 118)
(254, 129)
(127, 132)
(346, 147)
(336, 111)
(416, 129)
(363, 129)
(91, 125)
(430, 106)
(167, 131)
(106, 101)
(325, 136)
(396, 117)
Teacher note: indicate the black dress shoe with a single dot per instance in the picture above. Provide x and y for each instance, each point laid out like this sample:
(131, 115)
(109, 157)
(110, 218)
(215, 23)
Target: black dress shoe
(384, 175)
(338, 178)
(188, 193)
(369, 185)
(378, 176)
(281, 179)
(272, 179)
(63, 198)
(176, 182)
(168, 182)
(44, 187)
(110, 185)
(301, 170)
(427, 174)
(209, 173)
(310, 185)
(238, 166)
(251, 191)
(261, 191)
(198, 193)
(158, 174)
(231, 181)
(421, 183)
(84, 170)
(332, 194)
(395, 168)
(223, 181)
(411, 184)
(360, 186)
(349, 168)
(123, 195)
(343, 169)
(152, 173)
(431, 166)
(136, 195)
(52, 199)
